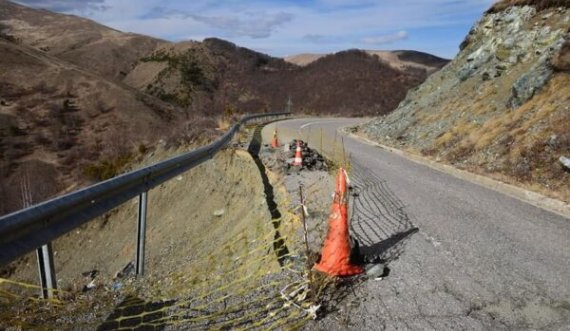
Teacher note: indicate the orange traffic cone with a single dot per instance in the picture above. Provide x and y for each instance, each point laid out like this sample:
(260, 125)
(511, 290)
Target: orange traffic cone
(298, 161)
(335, 257)
(274, 141)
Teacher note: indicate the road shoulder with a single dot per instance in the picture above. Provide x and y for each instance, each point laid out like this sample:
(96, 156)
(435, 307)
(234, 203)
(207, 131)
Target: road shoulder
(533, 198)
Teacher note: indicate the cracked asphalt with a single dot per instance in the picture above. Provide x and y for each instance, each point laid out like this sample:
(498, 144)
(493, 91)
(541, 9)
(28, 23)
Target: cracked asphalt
(460, 256)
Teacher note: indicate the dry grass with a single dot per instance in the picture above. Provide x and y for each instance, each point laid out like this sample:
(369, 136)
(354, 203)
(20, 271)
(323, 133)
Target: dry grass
(524, 144)
(539, 4)
(457, 134)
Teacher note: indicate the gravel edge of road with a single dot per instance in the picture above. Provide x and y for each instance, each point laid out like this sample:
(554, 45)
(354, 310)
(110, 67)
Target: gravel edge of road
(536, 199)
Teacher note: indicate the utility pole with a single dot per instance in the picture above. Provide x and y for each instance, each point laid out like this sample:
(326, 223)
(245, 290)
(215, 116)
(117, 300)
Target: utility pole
(289, 104)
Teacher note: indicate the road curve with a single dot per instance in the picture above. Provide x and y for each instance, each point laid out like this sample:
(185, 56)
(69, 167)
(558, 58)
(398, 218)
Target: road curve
(462, 257)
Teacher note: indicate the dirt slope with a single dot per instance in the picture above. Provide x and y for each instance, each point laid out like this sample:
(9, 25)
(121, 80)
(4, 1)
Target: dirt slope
(210, 255)
(501, 106)
(303, 59)
(77, 40)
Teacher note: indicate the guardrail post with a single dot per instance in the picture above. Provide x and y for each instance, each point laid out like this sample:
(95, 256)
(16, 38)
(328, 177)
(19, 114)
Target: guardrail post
(47, 271)
(141, 233)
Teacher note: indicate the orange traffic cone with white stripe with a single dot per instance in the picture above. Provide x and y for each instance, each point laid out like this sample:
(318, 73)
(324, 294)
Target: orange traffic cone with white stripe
(335, 257)
(298, 161)
(275, 141)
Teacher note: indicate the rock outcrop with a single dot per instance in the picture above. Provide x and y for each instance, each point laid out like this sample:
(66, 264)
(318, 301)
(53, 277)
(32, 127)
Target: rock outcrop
(494, 108)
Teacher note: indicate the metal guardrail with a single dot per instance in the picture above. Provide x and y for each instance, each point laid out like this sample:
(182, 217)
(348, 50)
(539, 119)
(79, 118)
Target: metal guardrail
(34, 228)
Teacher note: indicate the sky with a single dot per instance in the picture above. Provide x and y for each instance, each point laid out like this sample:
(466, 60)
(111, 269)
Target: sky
(288, 27)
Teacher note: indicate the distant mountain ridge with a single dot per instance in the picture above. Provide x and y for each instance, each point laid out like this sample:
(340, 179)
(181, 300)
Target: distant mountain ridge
(347, 83)
(397, 58)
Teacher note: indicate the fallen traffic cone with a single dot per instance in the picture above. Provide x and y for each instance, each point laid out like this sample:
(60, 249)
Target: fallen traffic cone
(335, 257)
(298, 161)
(274, 141)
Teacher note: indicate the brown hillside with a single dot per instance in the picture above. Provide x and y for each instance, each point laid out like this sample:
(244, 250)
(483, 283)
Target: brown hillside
(80, 41)
(352, 83)
(67, 125)
(219, 76)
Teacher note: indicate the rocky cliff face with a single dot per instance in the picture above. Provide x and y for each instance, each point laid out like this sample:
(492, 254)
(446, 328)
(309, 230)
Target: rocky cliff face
(502, 106)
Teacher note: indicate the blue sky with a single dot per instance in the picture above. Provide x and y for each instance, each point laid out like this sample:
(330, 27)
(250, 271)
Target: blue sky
(288, 27)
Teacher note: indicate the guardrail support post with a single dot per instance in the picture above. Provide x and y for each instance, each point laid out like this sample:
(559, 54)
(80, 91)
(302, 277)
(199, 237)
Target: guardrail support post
(141, 233)
(47, 271)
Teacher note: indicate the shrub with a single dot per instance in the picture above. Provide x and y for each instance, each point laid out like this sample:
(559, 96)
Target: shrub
(107, 168)
(142, 149)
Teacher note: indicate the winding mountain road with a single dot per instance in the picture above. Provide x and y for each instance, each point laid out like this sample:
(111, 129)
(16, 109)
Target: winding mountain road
(460, 256)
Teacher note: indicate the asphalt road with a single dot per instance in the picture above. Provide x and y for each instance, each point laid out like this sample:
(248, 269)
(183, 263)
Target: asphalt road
(460, 256)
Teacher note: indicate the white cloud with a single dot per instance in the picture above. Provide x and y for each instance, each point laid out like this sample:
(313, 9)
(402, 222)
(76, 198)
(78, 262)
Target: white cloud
(254, 25)
(386, 39)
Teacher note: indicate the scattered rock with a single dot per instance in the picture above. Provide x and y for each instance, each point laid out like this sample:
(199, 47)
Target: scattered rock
(552, 141)
(117, 286)
(89, 286)
(528, 84)
(91, 274)
(547, 16)
(565, 162)
(128, 270)
(561, 60)
(375, 270)
(219, 212)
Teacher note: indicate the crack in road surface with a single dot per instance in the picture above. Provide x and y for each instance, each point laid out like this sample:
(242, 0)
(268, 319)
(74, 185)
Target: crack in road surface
(379, 222)
(279, 245)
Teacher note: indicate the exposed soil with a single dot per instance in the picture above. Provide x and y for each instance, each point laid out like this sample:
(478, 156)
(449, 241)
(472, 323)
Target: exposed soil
(203, 229)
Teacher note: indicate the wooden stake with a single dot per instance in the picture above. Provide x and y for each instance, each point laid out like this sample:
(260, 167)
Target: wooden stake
(304, 221)
(321, 150)
(343, 152)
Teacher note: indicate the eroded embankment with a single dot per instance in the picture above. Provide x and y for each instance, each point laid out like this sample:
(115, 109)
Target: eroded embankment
(210, 260)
